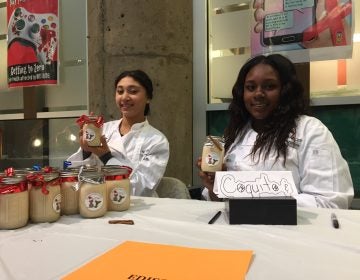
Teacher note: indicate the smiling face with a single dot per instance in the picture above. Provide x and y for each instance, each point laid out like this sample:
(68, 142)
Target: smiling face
(131, 99)
(261, 91)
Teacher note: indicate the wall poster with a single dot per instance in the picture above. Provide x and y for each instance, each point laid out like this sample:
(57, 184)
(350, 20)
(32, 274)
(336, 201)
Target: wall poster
(306, 30)
(33, 42)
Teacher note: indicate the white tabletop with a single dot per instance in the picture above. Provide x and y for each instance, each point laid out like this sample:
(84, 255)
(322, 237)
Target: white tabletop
(311, 250)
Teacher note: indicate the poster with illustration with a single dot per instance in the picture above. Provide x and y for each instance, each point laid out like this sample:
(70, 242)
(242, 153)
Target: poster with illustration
(33, 42)
(304, 29)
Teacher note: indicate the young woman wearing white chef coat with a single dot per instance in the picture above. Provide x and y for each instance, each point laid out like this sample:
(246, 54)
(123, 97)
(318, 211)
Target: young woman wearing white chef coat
(131, 140)
(269, 130)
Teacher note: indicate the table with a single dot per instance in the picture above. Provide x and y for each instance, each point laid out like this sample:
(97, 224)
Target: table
(311, 250)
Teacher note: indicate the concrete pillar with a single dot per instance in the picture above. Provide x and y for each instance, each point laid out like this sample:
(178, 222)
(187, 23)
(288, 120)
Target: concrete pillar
(155, 36)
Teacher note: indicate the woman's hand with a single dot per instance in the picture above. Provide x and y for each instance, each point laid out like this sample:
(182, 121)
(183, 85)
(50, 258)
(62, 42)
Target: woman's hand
(207, 179)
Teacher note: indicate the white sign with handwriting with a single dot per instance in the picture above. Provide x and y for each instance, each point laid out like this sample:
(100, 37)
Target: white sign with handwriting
(229, 184)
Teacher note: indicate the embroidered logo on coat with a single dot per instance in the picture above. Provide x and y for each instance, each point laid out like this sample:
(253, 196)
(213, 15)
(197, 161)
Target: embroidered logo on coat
(145, 154)
(293, 142)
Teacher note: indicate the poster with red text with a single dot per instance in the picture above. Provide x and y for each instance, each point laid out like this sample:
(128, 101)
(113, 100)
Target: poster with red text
(33, 42)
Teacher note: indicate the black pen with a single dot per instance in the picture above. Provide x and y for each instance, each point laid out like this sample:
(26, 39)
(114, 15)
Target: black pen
(213, 219)
(335, 221)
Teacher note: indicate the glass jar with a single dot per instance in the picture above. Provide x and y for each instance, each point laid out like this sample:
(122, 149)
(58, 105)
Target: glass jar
(14, 202)
(92, 130)
(118, 187)
(212, 154)
(92, 197)
(69, 192)
(45, 197)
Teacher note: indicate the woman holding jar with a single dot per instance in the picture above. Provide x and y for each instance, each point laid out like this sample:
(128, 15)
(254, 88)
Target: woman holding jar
(270, 130)
(130, 141)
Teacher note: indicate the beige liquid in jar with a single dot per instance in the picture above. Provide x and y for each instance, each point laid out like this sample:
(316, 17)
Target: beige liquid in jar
(45, 207)
(212, 157)
(14, 210)
(92, 134)
(118, 194)
(69, 199)
(92, 200)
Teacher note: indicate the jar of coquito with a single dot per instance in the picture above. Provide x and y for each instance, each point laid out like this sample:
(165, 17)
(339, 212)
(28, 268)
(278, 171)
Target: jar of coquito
(212, 154)
(118, 187)
(45, 197)
(69, 191)
(14, 202)
(92, 129)
(93, 196)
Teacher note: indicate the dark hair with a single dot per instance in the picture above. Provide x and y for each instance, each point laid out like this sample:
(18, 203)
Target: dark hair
(143, 79)
(281, 124)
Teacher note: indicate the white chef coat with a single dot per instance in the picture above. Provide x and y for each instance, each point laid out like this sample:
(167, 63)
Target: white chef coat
(321, 174)
(144, 148)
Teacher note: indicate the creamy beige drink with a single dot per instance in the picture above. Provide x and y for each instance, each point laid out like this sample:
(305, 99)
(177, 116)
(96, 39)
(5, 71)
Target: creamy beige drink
(213, 154)
(118, 187)
(69, 193)
(14, 203)
(93, 196)
(45, 198)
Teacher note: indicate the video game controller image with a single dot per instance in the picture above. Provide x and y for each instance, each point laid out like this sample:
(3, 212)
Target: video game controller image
(36, 30)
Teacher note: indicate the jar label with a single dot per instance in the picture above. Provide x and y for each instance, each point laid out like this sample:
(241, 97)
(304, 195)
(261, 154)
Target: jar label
(90, 134)
(212, 159)
(57, 203)
(94, 201)
(118, 195)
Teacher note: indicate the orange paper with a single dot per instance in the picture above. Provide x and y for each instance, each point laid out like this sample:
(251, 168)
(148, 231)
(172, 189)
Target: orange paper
(144, 261)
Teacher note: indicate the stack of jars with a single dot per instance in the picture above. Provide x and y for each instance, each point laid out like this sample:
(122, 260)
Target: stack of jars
(44, 195)
(28, 193)
(92, 192)
(83, 191)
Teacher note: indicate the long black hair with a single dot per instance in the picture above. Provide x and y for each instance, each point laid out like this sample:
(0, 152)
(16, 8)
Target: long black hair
(143, 79)
(281, 124)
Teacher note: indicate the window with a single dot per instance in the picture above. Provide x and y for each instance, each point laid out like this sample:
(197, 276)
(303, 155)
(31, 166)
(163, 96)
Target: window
(49, 135)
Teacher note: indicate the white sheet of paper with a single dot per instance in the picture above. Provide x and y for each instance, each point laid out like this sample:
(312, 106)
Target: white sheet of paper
(229, 184)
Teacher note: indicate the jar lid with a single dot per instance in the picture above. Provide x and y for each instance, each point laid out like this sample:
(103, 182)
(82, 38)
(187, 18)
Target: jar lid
(93, 177)
(69, 173)
(65, 174)
(93, 118)
(13, 184)
(78, 168)
(50, 176)
(12, 180)
(24, 170)
(46, 177)
(116, 170)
